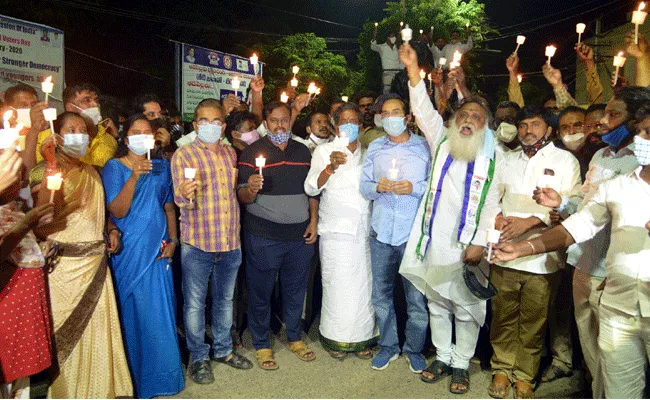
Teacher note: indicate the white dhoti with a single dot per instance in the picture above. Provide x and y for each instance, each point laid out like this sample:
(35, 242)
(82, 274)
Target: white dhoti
(347, 317)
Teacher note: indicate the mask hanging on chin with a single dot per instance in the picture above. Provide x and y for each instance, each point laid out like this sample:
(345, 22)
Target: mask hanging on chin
(616, 137)
(318, 140)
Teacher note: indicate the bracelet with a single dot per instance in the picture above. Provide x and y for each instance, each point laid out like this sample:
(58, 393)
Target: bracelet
(532, 246)
(328, 170)
(115, 229)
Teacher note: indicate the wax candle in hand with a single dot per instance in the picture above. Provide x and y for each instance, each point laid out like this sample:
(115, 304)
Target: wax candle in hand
(407, 34)
(149, 143)
(47, 86)
(190, 173)
(254, 60)
(260, 162)
(54, 184)
(580, 29)
(619, 62)
(393, 172)
(550, 52)
(284, 97)
(638, 18)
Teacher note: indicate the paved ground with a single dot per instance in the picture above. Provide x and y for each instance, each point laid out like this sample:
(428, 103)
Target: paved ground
(326, 377)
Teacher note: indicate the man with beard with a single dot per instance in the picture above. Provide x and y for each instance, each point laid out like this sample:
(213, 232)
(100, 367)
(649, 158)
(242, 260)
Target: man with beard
(319, 130)
(588, 257)
(525, 286)
(463, 168)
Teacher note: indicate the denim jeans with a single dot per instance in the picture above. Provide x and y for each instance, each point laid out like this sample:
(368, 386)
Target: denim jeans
(219, 271)
(386, 260)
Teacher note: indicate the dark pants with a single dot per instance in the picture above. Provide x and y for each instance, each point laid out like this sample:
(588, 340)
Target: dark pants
(264, 260)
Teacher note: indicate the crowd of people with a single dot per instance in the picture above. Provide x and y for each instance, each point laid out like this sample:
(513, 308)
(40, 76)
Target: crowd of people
(404, 189)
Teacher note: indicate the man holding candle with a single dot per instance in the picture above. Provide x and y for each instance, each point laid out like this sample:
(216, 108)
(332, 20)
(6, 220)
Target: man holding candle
(395, 202)
(449, 232)
(456, 45)
(389, 54)
(280, 228)
(210, 241)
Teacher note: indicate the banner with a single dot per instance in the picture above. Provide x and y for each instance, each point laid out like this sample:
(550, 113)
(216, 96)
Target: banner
(30, 53)
(208, 73)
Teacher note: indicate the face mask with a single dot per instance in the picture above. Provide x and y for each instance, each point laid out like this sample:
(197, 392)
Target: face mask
(349, 130)
(23, 117)
(137, 144)
(394, 126)
(574, 142)
(75, 144)
(642, 150)
(506, 132)
(93, 113)
(318, 140)
(250, 137)
(617, 136)
(279, 139)
(531, 150)
(393, 40)
(209, 133)
(378, 121)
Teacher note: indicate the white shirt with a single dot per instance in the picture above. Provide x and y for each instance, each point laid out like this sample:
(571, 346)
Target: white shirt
(389, 57)
(342, 207)
(624, 203)
(518, 179)
(589, 256)
(309, 142)
(437, 53)
(450, 48)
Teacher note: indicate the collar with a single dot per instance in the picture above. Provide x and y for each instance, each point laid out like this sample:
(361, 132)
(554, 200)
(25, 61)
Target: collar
(489, 144)
(543, 151)
(625, 151)
(386, 139)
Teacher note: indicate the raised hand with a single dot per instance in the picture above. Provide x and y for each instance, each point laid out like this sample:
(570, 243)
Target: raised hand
(585, 52)
(408, 56)
(512, 63)
(552, 75)
(257, 84)
(636, 50)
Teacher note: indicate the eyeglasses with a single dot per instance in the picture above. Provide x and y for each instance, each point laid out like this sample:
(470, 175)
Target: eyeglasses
(568, 127)
(278, 121)
(204, 121)
(394, 113)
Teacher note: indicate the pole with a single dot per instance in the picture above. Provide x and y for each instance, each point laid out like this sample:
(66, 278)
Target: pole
(178, 55)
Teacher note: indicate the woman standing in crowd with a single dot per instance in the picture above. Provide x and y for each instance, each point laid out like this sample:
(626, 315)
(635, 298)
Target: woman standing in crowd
(87, 336)
(141, 205)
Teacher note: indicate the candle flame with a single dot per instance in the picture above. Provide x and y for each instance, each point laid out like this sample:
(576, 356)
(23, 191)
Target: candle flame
(519, 78)
(641, 6)
(620, 54)
(8, 114)
(19, 127)
(48, 79)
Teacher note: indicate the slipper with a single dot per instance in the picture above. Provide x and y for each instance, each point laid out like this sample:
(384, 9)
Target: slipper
(554, 372)
(365, 354)
(459, 377)
(265, 359)
(499, 381)
(337, 354)
(301, 350)
(438, 369)
(523, 390)
(236, 361)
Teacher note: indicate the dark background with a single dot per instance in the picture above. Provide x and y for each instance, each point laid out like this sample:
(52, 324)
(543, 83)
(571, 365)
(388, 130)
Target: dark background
(123, 46)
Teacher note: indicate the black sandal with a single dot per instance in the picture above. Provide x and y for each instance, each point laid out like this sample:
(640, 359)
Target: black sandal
(438, 369)
(459, 377)
(236, 361)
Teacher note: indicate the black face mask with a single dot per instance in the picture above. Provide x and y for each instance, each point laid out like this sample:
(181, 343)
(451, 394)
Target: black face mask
(368, 118)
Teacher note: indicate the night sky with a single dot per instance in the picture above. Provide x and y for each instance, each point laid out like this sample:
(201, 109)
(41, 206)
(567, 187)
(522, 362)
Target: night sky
(107, 30)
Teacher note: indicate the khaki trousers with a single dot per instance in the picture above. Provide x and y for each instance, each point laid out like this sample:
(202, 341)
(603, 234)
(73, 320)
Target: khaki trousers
(560, 320)
(519, 315)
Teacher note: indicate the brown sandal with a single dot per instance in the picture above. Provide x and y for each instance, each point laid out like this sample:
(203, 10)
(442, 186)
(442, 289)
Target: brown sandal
(265, 359)
(499, 382)
(301, 350)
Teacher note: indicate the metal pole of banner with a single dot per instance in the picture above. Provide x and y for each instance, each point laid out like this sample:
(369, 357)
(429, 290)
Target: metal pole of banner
(178, 55)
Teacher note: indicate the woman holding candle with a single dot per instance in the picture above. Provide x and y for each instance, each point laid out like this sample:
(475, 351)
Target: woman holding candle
(140, 204)
(90, 353)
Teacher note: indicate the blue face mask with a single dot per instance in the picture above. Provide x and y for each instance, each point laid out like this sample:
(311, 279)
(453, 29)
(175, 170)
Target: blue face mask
(394, 126)
(350, 130)
(209, 133)
(280, 138)
(617, 136)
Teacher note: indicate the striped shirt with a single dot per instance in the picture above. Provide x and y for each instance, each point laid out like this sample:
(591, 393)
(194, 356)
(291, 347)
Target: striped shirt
(213, 224)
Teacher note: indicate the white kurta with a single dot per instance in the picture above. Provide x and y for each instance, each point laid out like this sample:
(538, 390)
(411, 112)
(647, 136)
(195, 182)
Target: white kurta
(347, 317)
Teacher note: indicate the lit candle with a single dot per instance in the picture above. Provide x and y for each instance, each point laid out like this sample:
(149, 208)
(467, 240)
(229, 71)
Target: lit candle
(401, 24)
(457, 56)
(580, 29)
(284, 97)
(422, 74)
(407, 33)
(550, 52)
(47, 86)
(317, 92)
(149, 144)
(190, 173)
(260, 162)
(393, 172)
(421, 31)
(442, 61)
(519, 78)
(493, 237)
(54, 184)
(294, 82)
(254, 60)
(520, 40)
(429, 76)
(295, 69)
(50, 116)
(638, 18)
(235, 84)
(7, 116)
(8, 135)
(376, 24)
(344, 98)
(619, 62)
(311, 89)
(344, 141)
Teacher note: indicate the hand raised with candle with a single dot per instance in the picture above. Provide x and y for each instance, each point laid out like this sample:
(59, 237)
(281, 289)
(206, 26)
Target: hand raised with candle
(141, 167)
(622, 80)
(229, 103)
(473, 255)
(585, 53)
(257, 84)
(255, 183)
(553, 76)
(409, 57)
(402, 187)
(338, 158)
(636, 50)
(36, 115)
(547, 197)
(299, 103)
(512, 63)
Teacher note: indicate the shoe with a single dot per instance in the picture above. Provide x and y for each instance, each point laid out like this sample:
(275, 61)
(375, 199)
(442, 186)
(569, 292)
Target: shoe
(382, 359)
(417, 363)
(236, 361)
(201, 373)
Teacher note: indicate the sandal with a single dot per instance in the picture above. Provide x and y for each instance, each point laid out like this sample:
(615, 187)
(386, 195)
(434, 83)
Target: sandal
(300, 349)
(554, 372)
(459, 377)
(438, 369)
(365, 354)
(523, 390)
(499, 382)
(236, 361)
(265, 359)
(337, 354)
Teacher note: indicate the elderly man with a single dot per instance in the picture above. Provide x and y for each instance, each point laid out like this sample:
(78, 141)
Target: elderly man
(389, 54)
(462, 154)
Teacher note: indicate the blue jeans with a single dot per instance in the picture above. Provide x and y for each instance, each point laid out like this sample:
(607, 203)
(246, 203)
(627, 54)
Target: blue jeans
(386, 260)
(219, 271)
(264, 260)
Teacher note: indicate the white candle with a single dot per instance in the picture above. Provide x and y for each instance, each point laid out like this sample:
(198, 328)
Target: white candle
(254, 60)
(6, 116)
(407, 33)
(190, 173)
(422, 74)
(311, 89)
(294, 82)
(429, 76)
(345, 142)
(317, 92)
(519, 78)
(47, 86)
(54, 184)
(401, 24)
(284, 97)
(235, 84)
(550, 52)
(295, 69)
(520, 40)
(260, 162)
(376, 24)
(50, 116)
(619, 62)
(638, 18)
(546, 181)
(580, 29)
(345, 98)
(7, 137)
(442, 61)
(457, 56)
(393, 172)
(149, 143)
(421, 31)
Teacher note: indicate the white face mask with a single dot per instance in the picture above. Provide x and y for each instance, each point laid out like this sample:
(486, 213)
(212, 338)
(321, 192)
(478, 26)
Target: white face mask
(378, 121)
(506, 132)
(642, 150)
(209, 133)
(93, 113)
(23, 117)
(75, 144)
(137, 144)
(575, 141)
(393, 39)
(318, 140)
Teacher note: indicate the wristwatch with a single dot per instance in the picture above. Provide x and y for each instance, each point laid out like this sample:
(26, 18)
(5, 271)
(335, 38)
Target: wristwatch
(175, 241)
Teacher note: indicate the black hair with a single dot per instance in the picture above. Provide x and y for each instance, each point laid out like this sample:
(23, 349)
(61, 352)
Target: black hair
(634, 98)
(71, 91)
(344, 107)
(14, 90)
(425, 57)
(572, 109)
(63, 117)
(212, 103)
(122, 148)
(509, 104)
(363, 95)
(399, 99)
(311, 116)
(549, 97)
(535, 111)
(235, 120)
(643, 112)
(596, 107)
(270, 107)
(140, 101)
(336, 102)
